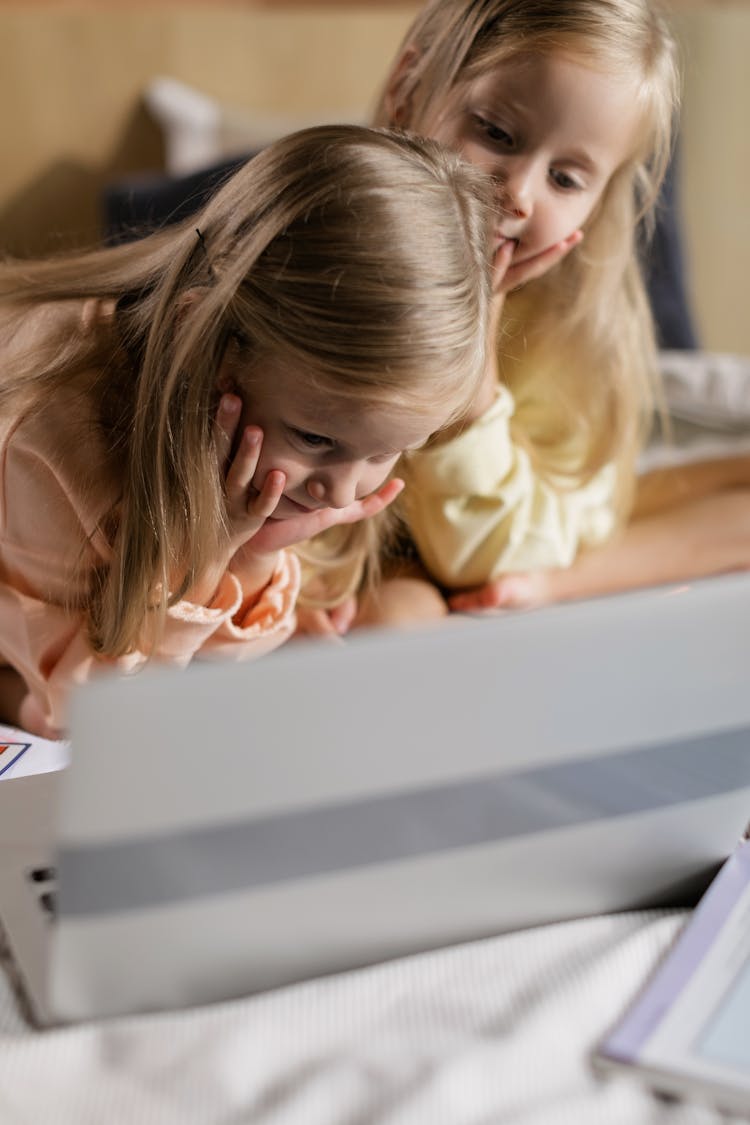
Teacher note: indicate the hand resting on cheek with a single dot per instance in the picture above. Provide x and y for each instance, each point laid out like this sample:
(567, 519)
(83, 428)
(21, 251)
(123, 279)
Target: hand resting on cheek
(255, 537)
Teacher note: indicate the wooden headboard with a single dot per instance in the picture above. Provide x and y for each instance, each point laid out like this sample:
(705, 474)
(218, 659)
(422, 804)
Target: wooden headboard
(72, 73)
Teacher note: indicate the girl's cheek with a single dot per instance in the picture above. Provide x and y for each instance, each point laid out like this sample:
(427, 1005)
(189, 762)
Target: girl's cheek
(379, 475)
(294, 469)
(271, 457)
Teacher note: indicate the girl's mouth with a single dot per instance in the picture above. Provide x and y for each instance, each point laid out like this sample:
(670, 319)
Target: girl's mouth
(287, 508)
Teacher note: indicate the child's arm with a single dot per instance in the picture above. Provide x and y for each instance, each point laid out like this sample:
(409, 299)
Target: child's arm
(477, 508)
(404, 599)
(710, 535)
(663, 488)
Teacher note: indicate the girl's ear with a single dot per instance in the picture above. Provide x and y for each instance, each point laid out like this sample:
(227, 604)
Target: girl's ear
(228, 381)
(225, 384)
(188, 299)
(401, 84)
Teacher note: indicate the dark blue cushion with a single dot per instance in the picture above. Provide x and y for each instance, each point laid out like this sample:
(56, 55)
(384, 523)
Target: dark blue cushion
(141, 204)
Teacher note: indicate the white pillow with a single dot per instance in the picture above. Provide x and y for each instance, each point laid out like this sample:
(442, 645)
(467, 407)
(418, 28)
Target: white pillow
(707, 388)
(200, 131)
(708, 397)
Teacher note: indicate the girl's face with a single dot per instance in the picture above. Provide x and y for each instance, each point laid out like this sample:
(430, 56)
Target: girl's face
(551, 132)
(332, 450)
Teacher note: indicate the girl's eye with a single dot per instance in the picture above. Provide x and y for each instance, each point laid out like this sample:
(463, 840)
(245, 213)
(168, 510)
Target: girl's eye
(312, 441)
(563, 180)
(494, 132)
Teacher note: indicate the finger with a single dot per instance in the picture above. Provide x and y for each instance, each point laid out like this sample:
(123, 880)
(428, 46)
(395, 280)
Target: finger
(285, 533)
(371, 505)
(556, 253)
(244, 463)
(483, 597)
(497, 306)
(516, 591)
(315, 623)
(225, 425)
(560, 249)
(567, 244)
(341, 616)
(265, 503)
(535, 267)
(501, 263)
(511, 591)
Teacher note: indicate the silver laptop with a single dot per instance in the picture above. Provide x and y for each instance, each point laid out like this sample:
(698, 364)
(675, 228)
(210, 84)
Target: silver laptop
(232, 828)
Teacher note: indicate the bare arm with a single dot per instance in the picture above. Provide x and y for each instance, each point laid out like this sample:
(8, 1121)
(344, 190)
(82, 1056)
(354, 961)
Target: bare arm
(709, 535)
(402, 601)
(663, 488)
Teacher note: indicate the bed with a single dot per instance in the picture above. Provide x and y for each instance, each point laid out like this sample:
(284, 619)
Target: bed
(496, 1030)
(491, 1031)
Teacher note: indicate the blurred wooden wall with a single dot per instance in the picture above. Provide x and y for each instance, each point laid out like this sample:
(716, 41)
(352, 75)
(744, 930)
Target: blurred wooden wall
(72, 74)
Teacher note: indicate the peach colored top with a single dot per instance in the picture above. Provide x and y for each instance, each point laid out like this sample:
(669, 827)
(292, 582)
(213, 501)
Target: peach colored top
(56, 484)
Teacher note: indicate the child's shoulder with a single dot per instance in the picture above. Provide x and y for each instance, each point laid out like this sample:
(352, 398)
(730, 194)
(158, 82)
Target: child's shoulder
(59, 433)
(55, 463)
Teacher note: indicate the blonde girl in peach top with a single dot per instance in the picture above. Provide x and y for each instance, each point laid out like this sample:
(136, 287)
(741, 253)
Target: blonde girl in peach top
(178, 413)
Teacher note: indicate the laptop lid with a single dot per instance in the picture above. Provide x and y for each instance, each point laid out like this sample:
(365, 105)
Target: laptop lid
(29, 806)
(234, 827)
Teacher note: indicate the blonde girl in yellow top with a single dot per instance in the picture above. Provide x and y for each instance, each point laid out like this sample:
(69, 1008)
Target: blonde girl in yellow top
(569, 105)
(179, 412)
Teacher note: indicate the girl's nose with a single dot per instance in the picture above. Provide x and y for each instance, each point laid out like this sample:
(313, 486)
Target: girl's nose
(516, 192)
(336, 488)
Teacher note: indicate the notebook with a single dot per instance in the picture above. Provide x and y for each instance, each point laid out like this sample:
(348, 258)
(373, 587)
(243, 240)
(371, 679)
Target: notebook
(234, 827)
(686, 1034)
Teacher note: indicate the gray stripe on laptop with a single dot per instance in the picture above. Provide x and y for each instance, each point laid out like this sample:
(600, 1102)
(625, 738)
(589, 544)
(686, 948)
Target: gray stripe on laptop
(110, 877)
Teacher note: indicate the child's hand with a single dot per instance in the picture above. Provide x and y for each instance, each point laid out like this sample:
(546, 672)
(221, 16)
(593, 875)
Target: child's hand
(255, 537)
(276, 534)
(250, 511)
(246, 508)
(327, 624)
(509, 591)
(508, 276)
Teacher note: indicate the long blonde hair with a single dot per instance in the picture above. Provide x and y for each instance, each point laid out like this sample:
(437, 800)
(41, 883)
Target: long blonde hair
(359, 256)
(576, 345)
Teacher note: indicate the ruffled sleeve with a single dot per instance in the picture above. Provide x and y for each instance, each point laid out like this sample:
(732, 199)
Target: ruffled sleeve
(476, 508)
(49, 645)
(52, 500)
(250, 626)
